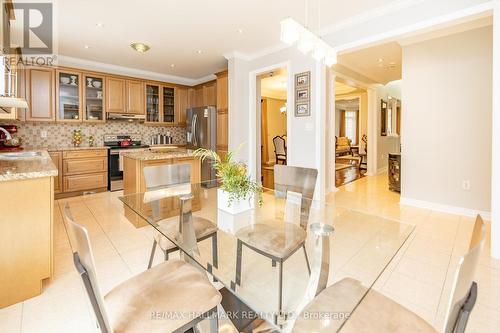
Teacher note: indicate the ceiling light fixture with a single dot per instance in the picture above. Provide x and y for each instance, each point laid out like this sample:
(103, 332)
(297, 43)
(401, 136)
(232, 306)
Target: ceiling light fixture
(86, 46)
(293, 32)
(240, 31)
(140, 47)
(99, 25)
(172, 65)
(199, 51)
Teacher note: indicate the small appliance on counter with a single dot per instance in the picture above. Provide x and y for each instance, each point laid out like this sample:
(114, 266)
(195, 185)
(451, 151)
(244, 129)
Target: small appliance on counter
(13, 144)
(161, 139)
(119, 144)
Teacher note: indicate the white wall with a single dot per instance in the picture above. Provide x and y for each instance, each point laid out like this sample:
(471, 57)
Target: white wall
(446, 120)
(305, 134)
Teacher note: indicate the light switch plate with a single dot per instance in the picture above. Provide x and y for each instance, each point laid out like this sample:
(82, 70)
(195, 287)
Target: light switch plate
(43, 134)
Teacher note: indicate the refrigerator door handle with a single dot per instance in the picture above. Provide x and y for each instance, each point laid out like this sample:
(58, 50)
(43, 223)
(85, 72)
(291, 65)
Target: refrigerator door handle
(195, 141)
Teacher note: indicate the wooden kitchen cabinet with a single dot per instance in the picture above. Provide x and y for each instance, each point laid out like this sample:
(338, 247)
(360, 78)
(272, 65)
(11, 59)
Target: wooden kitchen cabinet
(115, 95)
(210, 94)
(56, 157)
(222, 112)
(84, 170)
(181, 105)
(135, 97)
(198, 96)
(69, 96)
(93, 98)
(40, 94)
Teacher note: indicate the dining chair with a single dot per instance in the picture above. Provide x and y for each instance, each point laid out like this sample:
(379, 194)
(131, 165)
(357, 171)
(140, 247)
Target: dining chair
(276, 240)
(171, 297)
(378, 313)
(172, 177)
(279, 149)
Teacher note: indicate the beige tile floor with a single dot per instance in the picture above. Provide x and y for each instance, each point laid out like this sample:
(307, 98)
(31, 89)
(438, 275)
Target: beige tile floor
(419, 277)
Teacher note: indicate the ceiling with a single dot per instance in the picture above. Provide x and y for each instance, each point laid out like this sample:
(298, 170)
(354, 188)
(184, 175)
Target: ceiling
(381, 63)
(177, 29)
(344, 89)
(275, 85)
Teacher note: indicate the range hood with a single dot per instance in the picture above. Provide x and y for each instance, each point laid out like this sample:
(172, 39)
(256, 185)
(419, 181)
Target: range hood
(7, 103)
(126, 116)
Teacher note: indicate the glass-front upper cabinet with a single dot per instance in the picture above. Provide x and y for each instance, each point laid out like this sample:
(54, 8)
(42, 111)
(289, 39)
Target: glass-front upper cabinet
(93, 98)
(168, 105)
(152, 103)
(69, 99)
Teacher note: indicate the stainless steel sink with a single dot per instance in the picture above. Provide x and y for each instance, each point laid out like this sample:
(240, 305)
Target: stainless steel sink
(23, 154)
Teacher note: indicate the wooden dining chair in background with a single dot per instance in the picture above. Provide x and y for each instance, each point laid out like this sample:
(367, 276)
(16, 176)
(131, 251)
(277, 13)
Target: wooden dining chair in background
(179, 293)
(280, 149)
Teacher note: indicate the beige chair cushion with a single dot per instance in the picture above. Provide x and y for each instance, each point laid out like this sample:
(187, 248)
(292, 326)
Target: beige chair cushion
(277, 240)
(202, 228)
(376, 313)
(173, 289)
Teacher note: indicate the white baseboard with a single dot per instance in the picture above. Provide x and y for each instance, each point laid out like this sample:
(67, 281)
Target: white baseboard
(444, 208)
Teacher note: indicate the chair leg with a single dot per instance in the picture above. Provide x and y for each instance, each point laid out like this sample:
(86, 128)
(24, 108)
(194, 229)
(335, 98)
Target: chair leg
(239, 251)
(280, 303)
(214, 322)
(215, 255)
(151, 257)
(307, 259)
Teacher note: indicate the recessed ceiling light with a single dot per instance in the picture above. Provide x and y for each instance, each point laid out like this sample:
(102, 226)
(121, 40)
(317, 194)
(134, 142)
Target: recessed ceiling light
(172, 65)
(199, 51)
(86, 46)
(380, 60)
(240, 31)
(99, 25)
(140, 47)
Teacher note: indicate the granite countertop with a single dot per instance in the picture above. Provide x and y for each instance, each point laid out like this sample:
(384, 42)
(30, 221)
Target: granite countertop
(159, 154)
(59, 148)
(27, 168)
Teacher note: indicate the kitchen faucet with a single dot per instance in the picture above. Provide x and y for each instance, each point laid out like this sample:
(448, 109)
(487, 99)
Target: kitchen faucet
(7, 134)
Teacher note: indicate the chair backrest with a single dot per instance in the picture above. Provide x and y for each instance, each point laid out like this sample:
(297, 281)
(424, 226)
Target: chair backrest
(296, 179)
(159, 178)
(464, 290)
(279, 145)
(84, 263)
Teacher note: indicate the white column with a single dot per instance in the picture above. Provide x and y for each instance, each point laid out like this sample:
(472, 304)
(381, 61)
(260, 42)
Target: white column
(372, 132)
(495, 156)
(330, 132)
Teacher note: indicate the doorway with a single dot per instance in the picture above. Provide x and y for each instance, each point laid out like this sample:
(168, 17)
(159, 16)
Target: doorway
(273, 121)
(351, 132)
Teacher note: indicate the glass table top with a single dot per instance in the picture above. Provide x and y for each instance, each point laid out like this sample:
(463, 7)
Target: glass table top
(285, 236)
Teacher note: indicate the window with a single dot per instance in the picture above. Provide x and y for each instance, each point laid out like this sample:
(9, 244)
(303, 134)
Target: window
(351, 126)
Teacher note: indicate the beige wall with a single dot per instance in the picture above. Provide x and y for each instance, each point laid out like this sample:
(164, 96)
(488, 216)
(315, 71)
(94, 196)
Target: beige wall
(276, 124)
(446, 120)
(363, 115)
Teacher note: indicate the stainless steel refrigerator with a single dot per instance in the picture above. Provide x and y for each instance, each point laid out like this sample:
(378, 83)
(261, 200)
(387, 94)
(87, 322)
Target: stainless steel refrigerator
(201, 132)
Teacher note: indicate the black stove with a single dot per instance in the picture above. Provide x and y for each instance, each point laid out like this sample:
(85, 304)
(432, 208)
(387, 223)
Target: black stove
(115, 167)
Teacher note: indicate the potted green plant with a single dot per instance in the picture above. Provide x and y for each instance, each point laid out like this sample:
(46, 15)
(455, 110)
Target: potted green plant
(237, 191)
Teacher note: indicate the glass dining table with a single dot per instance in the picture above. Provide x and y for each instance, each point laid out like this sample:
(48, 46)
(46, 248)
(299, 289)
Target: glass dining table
(275, 258)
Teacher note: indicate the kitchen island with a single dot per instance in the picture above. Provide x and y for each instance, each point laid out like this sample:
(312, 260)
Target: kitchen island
(133, 176)
(26, 224)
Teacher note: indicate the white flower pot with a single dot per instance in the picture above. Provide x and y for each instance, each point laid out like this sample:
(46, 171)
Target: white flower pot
(235, 207)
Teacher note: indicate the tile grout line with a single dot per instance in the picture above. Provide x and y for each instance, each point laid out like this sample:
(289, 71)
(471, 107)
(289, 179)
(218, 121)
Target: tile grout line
(446, 275)
(109, 239)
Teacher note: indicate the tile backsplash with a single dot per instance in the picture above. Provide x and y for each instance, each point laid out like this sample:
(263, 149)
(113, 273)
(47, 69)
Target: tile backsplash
(60, 134)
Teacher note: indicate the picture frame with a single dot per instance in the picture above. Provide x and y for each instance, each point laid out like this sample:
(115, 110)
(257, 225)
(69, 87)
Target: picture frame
(302, 109)
(302, 80)
(302, 95)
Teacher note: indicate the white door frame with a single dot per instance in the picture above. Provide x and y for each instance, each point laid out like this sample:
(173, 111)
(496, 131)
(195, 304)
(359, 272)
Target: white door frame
(254, 118)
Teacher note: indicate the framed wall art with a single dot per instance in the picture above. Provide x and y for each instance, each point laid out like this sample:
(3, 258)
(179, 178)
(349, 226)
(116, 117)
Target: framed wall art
(303, 94)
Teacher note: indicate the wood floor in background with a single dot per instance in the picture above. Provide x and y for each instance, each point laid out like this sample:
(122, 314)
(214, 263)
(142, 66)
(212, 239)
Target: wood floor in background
(348, 175)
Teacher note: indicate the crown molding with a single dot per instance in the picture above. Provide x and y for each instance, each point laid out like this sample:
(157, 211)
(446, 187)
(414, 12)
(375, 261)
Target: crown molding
(252, 56)
(127, 71)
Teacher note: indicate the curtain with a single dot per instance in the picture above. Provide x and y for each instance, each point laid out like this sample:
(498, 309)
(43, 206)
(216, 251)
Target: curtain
(342, 123)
